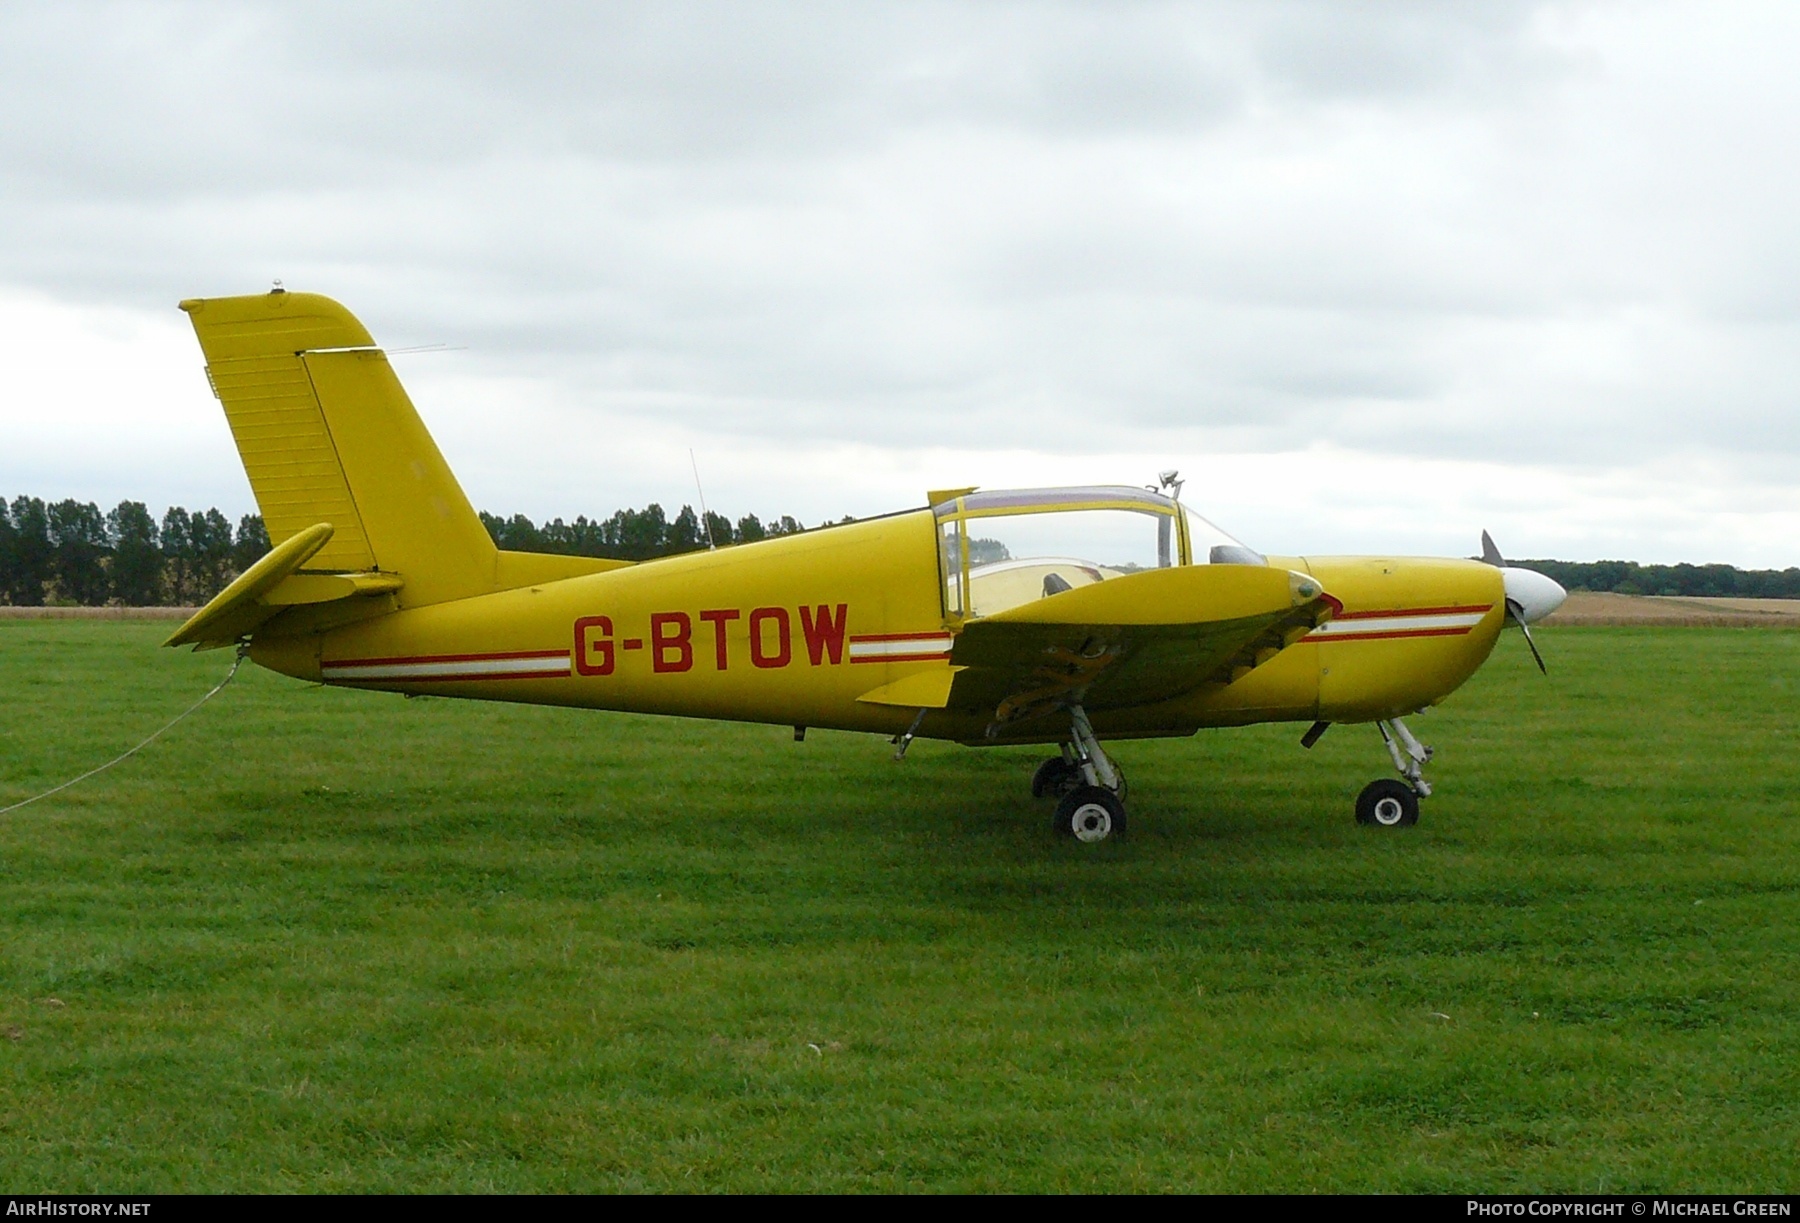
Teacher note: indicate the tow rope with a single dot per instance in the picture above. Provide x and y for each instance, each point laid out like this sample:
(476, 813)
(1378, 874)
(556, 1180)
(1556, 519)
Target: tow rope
(243, 653)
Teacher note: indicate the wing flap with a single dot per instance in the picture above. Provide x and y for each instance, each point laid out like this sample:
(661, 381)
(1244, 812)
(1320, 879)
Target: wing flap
(921, 690)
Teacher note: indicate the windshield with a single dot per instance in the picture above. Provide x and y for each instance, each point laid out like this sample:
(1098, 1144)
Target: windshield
(1211, 546)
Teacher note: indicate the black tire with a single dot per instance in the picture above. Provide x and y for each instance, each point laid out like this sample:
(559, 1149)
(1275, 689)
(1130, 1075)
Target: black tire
(1054, 778)
(1387, 804)
(1090, 814)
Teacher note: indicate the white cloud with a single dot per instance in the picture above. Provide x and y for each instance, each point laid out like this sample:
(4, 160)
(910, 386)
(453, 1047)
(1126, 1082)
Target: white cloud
(1525, 265)
(106, 404)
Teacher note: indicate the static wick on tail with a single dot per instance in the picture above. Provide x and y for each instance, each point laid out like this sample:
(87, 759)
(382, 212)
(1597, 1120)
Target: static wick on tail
(1530, 596)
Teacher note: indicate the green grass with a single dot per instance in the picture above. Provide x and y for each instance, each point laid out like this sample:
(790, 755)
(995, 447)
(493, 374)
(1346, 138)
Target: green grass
(320, 940)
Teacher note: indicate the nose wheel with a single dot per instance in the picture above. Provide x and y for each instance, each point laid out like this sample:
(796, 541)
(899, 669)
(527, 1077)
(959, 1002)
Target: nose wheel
(1395, 804)
(1387, 804)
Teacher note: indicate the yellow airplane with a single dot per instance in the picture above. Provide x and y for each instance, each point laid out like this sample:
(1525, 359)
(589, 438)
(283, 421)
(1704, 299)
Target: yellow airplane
(1067, 616)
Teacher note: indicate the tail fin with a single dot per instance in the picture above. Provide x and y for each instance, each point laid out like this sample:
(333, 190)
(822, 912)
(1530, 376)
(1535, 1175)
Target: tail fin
(327, 435)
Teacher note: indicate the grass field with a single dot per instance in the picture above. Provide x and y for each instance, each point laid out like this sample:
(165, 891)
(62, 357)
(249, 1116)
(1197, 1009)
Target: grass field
(319, 940)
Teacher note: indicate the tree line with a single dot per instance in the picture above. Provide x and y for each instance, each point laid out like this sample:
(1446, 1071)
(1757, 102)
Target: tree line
(635, 535)
(1693, 581)
(70, 553)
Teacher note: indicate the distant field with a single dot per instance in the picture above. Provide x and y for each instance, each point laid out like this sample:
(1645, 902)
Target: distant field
(1601, 607)
(320, 940)
(96, 613)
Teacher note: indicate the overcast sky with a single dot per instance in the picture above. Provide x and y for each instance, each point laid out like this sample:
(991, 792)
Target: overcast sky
(1374, 276)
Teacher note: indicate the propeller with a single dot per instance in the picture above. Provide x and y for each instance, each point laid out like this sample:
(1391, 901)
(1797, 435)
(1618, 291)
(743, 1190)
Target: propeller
(1530, 596)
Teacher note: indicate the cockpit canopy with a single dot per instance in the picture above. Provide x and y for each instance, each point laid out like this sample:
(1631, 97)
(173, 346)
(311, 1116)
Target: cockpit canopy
(1007, 547)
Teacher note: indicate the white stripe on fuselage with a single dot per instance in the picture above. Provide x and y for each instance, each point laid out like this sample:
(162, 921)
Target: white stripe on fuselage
(884, 649)
(1398, 624)
(469, 669)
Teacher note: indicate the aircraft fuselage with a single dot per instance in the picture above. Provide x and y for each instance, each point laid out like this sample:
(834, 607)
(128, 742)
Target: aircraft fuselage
(793, 630)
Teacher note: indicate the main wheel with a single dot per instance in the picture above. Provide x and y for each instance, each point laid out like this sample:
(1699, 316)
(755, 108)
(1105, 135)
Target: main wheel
(1387, 804)
(1054, 778)
(1090, 814)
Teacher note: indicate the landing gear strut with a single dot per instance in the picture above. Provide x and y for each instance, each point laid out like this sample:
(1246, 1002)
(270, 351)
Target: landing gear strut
(1394, 804)
(1089, 787)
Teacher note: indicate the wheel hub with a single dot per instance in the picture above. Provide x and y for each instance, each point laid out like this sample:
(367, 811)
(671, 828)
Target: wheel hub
(1389, 811)
(1091, 822)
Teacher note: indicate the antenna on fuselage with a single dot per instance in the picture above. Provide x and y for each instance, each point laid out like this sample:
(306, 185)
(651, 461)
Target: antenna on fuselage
(705, 518)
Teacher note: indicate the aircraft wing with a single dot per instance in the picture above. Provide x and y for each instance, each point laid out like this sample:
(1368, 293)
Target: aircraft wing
(1132, 640)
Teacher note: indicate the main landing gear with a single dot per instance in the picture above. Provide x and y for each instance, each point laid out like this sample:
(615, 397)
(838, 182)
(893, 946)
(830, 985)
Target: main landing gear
(1088, 787)
(1395, 804)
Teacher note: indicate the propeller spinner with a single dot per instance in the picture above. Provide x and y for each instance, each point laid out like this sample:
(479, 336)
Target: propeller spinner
(1530, 596)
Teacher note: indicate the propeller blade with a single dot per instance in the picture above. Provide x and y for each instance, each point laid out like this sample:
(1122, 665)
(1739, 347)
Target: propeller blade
(1515, 613)
(1529, 594)
(1526, 629)
(1490, 555)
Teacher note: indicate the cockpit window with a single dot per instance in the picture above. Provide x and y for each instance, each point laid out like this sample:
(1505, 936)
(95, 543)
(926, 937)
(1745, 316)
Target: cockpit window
(1005, 548)
(1015, 559)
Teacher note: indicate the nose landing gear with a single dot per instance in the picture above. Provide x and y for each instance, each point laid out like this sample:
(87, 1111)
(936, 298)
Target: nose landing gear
(1394, 804)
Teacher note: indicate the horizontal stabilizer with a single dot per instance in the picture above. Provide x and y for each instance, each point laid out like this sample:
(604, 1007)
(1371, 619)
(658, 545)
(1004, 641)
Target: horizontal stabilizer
(240, 607)
(273, 586)
(304, 588)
